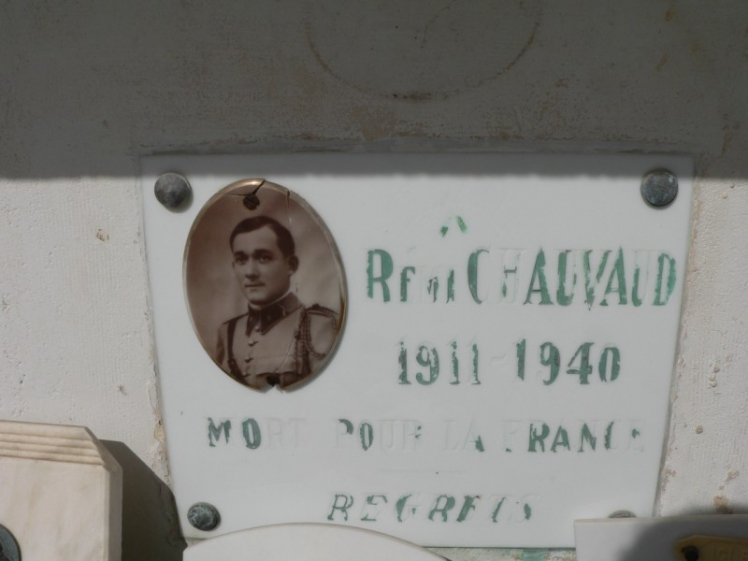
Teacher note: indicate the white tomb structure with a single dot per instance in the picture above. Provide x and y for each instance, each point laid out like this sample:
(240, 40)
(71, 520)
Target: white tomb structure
(60, 494)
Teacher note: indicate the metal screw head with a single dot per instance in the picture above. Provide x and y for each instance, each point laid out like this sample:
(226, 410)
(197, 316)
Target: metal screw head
(173, 190)
(9, 550)
(204, 516)
(659, 188)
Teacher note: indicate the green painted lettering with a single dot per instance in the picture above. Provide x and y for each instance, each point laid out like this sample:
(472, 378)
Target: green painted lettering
(495, 513)
(659, 298)
(370, 502)
(617, 275)
(427, 358)
(252, 435)
(386, 267)
(615, 364)
(467, 505)
(403, 360)
(561, 439)
(433, 288)
(609, 435)
(509, 276)
(538, 274)
(476, 379)
(564, 298)
(528, 511)
(538, 439)
(636, 300)
(585, 369)
(455, 365)
(343, 508)
(521, 351)
(400, 507)
(588, 437)
(366, 432)
(461, 224)
(550, 357)
(472, 271)
(347, 424)
(478, 444)
(214, 432)
(451, 286)
(404, 281)
(589, 284)
(442, 505)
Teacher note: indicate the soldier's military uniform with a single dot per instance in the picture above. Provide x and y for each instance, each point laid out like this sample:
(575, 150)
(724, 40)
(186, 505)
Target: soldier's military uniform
(280, 344)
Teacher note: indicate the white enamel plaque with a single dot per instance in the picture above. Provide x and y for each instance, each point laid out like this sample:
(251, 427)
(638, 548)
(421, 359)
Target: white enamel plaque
(507, 346)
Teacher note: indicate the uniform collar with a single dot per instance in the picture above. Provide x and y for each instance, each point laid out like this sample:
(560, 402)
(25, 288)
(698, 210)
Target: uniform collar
(268, 316)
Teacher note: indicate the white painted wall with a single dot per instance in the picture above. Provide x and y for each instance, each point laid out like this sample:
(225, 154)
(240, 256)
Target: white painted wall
(87, 87)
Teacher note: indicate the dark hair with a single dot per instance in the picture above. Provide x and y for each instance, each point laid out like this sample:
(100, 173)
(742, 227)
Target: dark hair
(285, 239)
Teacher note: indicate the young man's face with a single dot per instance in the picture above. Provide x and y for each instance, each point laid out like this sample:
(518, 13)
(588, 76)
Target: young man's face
(262, 270)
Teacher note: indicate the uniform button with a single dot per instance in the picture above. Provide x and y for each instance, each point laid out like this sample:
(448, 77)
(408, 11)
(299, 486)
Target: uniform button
(251, 343)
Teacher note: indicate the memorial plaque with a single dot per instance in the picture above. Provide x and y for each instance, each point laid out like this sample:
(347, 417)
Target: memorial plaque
(507, 327)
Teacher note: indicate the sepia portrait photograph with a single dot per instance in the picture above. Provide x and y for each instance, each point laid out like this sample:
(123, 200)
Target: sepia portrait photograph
(265, 285)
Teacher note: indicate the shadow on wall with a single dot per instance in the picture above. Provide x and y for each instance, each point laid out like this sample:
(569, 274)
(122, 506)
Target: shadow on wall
(199, 77)
(150, 530)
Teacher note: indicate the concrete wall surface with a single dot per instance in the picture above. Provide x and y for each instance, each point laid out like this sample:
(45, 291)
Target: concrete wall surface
(87, 88)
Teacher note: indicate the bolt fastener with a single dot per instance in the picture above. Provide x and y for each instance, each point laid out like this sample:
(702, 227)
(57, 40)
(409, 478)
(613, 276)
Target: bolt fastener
(659, 188)
(173, 190)
(8, 546)
(204, 516)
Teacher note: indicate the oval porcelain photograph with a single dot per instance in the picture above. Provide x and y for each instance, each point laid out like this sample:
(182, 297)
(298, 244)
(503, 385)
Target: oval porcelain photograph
(264, 285)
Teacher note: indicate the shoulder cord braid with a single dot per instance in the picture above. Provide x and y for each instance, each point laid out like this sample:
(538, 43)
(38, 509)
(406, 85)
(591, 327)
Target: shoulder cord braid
(235, 373)
(306, 351)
